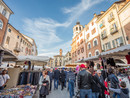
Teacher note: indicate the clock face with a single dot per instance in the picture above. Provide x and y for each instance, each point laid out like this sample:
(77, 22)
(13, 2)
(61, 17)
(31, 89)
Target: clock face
(1, 24)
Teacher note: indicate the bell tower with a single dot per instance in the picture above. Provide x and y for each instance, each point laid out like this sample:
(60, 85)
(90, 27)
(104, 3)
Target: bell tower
(60, 52)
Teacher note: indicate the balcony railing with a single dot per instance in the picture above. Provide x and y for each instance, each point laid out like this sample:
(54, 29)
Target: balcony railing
(104, 36)
(17, 49)
(113, 31)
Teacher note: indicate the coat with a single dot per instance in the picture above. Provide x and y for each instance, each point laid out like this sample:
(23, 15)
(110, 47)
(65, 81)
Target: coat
(56, 74)
(44, 90)
(63, 76)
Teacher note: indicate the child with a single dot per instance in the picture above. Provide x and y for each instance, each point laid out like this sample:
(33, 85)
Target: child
(123, 91)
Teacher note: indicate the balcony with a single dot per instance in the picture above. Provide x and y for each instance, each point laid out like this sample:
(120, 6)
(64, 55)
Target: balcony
(104, 36)
(113, 31)
(16, 49)
(102, 25)
(110, 19)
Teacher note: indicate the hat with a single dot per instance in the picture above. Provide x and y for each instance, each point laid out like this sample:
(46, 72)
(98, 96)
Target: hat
(82, 66)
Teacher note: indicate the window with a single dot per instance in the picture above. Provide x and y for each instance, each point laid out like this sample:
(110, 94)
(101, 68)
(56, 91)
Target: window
(103, 48)
(89, 45)
(82, 50)
(96, 52)
(93, 31)
(75, 53)
(113, 28)
(77, 38)
(7, 40)
(102, 24)
(18, 37)
(76, 28)
(87, 28)
(21, 39)
(4, 12)
(89, 55)
(108, 46)
(1, 24)
(113, 43)
(95, 42)
(9, 30)
(119, 41)
(103, 34)
(111, 14)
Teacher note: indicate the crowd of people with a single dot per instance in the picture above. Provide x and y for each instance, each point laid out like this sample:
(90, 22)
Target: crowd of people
(100, 83)
(87, 82)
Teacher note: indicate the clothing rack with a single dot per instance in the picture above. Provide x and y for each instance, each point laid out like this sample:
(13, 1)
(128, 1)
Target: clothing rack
(29, 77)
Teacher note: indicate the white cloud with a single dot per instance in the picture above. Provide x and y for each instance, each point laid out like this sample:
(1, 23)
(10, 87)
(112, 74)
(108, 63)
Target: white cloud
(44, 30)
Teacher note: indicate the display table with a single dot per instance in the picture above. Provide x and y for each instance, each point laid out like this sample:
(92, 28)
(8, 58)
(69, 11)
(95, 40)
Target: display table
(19, 92)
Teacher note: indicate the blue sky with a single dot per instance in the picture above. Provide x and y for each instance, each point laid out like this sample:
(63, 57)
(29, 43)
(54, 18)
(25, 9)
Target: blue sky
(50, 22)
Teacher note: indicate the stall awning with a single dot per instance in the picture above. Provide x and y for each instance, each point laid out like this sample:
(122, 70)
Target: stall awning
(8, 55)
(120, 52)
(91, 58)
(35, 60)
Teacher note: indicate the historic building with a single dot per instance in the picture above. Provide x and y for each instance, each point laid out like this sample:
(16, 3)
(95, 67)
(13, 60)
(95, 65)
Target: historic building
(92, 38)
(67, 58)
(5, 13)
(59, 59)
(110, 29)
(124, 16)
(18, 43)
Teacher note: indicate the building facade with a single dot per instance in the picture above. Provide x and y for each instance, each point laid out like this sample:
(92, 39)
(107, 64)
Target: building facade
(110, 29)
(92, 38)
(5, 13)
(16, 42)
(58, 59)
(124, 16)
(67, 58)
(50, 62)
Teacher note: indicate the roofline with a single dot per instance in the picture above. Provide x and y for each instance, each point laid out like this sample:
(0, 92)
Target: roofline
(19, 33)
(109, 9)
(7, 6)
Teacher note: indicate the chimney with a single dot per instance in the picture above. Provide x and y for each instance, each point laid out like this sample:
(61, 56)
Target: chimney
(102, 12)
(60, 52)
(95, 14)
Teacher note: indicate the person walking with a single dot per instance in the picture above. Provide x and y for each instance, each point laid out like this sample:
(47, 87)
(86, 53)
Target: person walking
(62, 79)
(113, 81)
(85, 82)
(65, 77)
(99, 87)
(71, 80)
(44, 85)
(56, 78)
(51, 76)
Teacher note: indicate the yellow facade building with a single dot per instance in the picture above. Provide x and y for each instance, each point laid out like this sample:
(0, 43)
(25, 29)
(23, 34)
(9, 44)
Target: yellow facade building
(110, 28)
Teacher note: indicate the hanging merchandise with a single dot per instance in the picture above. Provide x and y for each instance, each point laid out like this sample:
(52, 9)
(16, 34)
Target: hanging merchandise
(128, 58)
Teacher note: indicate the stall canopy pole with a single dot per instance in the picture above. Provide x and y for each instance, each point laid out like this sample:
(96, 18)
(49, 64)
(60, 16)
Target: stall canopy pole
(1, 56)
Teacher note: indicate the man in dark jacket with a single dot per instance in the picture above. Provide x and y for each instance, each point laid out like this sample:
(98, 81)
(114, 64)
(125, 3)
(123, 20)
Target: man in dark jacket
(71, 80)
(56, 78)
(85, 82)
(51, 76)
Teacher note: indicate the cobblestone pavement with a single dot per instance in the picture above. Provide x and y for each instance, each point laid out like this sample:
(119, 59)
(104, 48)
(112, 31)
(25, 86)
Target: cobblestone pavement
(59, 93)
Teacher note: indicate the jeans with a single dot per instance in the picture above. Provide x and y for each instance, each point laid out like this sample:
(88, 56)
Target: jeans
(95, 95)
(50, 84)
(56, 83)
(84, 92)
(71, 88)
(116, 94)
